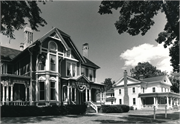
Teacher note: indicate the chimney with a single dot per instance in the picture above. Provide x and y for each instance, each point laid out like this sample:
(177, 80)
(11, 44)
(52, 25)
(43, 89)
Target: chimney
(28, 36)
(21, 46)
(126, 97)
(85, 49)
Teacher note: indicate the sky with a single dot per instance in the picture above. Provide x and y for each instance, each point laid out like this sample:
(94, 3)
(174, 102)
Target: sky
(114, 53)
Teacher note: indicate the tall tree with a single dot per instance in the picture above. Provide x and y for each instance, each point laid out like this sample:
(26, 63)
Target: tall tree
(14, 13)
(174, 78)
(145, 70)
(108, 84)
(136, 17)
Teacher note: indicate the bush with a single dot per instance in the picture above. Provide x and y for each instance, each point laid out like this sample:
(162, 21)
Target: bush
(131, 108)
(24, 111)
(114, 108)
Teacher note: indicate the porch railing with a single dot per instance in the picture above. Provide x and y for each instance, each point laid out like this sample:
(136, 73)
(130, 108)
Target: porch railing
(148, 105)
(94, 106)
(16, 103)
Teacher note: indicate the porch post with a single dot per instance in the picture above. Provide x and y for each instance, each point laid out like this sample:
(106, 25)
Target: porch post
(7, 94)
(11, 92)
(154, 101)
(74, 94)
(26, 94)
(171, 102)
(71, 93)
(68, 92)
(100, 96)
(3, 99)
(167, 102)
(86, 94)
(89, 94)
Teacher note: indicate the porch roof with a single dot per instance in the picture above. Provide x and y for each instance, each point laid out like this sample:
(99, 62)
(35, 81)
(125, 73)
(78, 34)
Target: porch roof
(163, 94)
(14, 76)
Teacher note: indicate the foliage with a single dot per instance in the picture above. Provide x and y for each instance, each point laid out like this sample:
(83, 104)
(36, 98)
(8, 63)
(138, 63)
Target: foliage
(24, 111)
(14, 14)
(145, 70)
(108, 84)
(136, 17)
(174, 78)
(114, 108)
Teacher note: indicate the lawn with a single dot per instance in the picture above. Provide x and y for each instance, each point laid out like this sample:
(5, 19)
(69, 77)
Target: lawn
(137, 116)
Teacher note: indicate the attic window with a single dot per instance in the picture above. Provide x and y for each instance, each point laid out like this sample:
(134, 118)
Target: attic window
(52, 45)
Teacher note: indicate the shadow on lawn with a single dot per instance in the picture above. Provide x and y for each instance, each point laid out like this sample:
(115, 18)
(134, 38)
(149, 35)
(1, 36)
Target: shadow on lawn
(144, 118)
(170, 116)
(36, 119)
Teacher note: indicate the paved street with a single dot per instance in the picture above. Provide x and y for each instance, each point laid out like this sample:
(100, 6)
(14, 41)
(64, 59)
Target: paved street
(137, 116)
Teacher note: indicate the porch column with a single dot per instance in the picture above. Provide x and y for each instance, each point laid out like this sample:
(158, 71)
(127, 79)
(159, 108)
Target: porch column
(100, 97)
(3, 99)
(167, 102)
(89, 94)
(71, 94)
(11, 92)
(86, 94)
(171, 102)
(68, 93)
(26, 94)
(7, 94)
(74, 94)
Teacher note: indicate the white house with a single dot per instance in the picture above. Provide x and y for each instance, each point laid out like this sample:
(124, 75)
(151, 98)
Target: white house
(145, 93)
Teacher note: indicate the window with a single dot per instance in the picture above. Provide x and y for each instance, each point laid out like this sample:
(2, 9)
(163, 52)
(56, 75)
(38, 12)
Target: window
(119, 91)
(52, 45)
(52, 63)
(143, 89)
(73, 70)
(120, 101)
(82, 70)
(86, 72)
(153, 89)
(134, 101)
(68, 69)
(42, 91)
(52, 88)
(133, 89)
(90, 74)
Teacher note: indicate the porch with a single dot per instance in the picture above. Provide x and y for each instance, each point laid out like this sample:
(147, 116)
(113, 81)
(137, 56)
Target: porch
(159, 100)
(14, 90)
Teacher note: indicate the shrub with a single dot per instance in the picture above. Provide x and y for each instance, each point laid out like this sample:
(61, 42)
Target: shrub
(114, 108)
(22, 111)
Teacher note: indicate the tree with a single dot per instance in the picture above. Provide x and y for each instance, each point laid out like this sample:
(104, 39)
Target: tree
(108, 84)
(174, 78)
(136, 17)
(14, 13)
(145, 70)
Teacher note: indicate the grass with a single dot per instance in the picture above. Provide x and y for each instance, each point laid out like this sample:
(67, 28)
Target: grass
(137, 116)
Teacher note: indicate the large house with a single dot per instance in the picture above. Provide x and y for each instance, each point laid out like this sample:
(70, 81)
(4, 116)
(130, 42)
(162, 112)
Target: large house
(145, 93)
(48, 71)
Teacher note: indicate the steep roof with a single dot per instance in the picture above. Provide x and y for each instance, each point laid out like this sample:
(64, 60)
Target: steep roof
(152, 79)
(7, 54)
(90, 63)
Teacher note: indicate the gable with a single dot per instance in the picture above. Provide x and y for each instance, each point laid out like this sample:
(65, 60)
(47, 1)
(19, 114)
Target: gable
(130, 81)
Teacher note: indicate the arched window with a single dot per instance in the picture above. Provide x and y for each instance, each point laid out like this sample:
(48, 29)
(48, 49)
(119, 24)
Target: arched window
(52, 46)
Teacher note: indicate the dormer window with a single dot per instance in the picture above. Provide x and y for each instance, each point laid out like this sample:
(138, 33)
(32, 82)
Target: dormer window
(52, 46)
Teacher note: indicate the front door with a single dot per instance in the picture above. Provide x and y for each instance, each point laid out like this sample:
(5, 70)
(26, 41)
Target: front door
(19, 92)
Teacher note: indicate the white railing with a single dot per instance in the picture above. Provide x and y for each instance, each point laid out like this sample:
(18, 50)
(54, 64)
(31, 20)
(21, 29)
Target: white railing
(94, 106)
(148, 105)
(18, 103)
